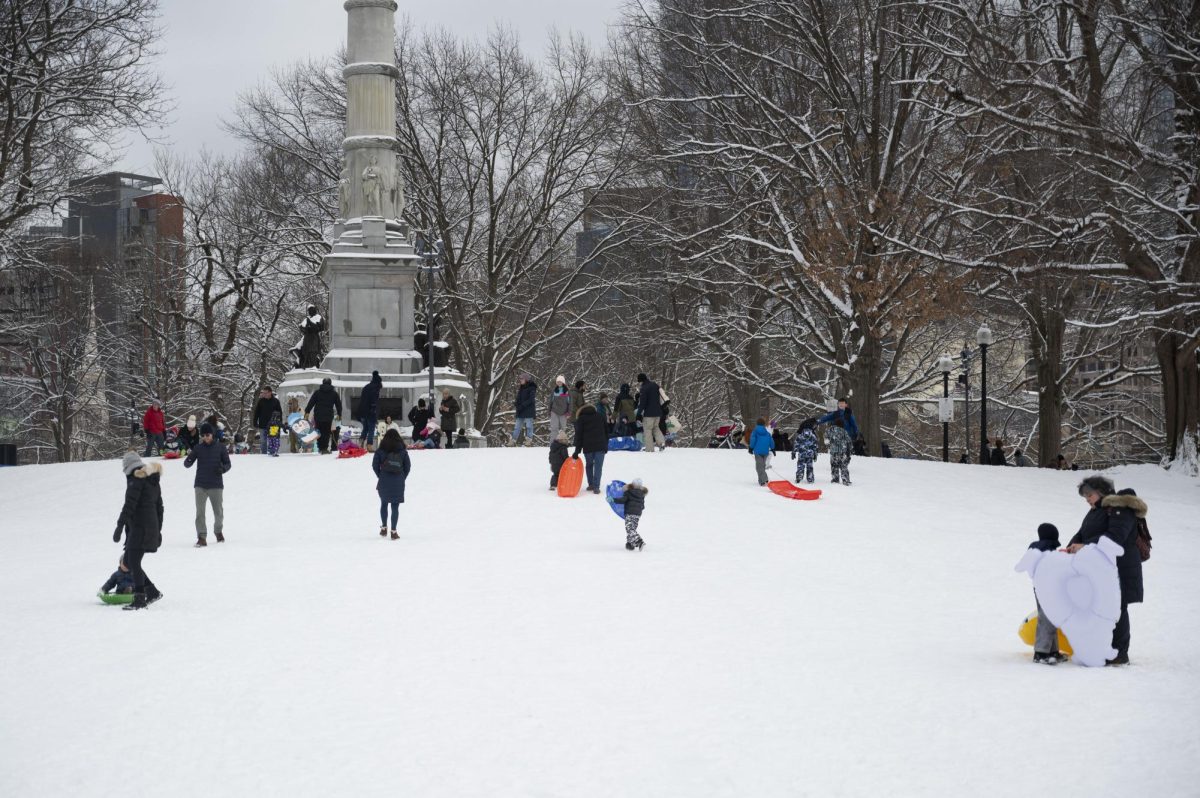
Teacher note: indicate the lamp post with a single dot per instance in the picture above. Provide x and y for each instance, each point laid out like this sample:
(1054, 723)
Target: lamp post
(431, 255)
(984, 339)
(945, 364)
(964, 379)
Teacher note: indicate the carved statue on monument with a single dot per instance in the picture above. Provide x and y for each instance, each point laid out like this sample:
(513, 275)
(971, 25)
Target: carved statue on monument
(371, 189)
(344, 194)
(308, 351)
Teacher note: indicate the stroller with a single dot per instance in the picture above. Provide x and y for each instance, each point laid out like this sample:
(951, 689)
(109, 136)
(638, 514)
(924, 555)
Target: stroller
(728, 436)
(172, 446)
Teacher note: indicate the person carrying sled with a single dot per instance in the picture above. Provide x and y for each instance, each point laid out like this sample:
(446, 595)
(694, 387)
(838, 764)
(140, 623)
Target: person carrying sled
(804, 450)
(391, 465)
(324, 405)
(559, 452)
(212, 462)
(839, 451)
(1045, 644)
(633, 496)
(761, 445)
(141, 522)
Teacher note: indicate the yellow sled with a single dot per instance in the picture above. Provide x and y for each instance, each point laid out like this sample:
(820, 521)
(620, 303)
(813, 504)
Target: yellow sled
(1028, 633)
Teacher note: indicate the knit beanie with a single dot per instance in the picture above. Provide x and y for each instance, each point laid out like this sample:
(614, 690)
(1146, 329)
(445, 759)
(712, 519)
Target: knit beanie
(191, 422)
(637, 482)
(1048, 532)
(206, 429)
(131, 463)
(641, 378)
(561, 380)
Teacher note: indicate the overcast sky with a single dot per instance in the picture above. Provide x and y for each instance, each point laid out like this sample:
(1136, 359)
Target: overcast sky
(214, 49)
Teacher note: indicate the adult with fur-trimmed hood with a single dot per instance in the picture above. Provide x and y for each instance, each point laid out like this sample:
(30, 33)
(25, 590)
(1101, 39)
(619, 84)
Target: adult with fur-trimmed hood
(141, 521)
(1115, 515)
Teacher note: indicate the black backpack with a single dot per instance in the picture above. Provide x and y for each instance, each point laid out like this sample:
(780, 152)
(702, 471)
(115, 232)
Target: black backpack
(393, 463)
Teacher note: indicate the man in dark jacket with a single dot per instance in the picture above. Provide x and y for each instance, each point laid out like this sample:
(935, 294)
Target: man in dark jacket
(448, 410)
(997, 455)
(591, 438)
(368, 410)
(324, 404)
(1115, 516)
(649, 407)
(846, 415)
(419, 416)
(212, 461)
(526, 407)
(266, 410)
(141, 520)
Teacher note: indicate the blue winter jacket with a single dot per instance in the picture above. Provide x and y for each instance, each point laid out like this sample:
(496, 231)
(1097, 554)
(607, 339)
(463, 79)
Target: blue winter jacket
(211, 460)
(761, 442)
(804, 448)
(851, 426)
(390, 486)
(121, 581)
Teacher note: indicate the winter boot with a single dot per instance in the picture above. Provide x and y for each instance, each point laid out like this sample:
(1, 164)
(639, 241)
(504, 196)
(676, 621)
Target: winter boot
(383, 531)
(153, 594)
(1045, 658)
(1059, 656)
(201, 543)
(1120, 659)
(139, 602)
(628, 546)
(221, 535)
(637, 544)
(395, 535)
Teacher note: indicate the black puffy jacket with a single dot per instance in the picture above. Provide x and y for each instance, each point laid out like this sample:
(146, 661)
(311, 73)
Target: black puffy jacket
(591, 433)
(526, 404)
(142, 514)
(1116, 517)
(265, 410)
(323, 403)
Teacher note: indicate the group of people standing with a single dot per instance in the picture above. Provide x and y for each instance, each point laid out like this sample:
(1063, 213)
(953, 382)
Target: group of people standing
(840, 434)
(620, 417)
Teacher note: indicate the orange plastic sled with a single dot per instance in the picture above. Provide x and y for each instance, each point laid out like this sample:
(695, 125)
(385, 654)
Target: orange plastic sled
(570, 478)
(785, 488)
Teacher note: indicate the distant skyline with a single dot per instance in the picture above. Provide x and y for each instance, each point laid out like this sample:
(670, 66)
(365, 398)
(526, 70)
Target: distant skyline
(213, 51)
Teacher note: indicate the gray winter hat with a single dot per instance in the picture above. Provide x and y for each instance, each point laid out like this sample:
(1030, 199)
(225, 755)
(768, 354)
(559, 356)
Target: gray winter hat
(131, 463)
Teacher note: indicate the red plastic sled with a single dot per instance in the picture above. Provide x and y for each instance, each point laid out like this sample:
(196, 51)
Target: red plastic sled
(570, 478)
(785, 488)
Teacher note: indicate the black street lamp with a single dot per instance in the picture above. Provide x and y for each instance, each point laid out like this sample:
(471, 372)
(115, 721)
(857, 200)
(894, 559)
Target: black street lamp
(964, 380)
(984, 339)
(431, 255)
(945, 364)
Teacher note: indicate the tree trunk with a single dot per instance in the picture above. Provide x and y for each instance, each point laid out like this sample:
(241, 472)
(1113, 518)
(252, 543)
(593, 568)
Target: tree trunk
(1048, 327)
(863, 388)
(1181, 389)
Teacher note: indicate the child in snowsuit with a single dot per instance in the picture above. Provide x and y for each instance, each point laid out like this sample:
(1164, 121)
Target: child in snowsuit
(121, 580)
(273, 433)
(634, 499)
(558, 456)
(839, 451)
(804, 451)
(1045, 644)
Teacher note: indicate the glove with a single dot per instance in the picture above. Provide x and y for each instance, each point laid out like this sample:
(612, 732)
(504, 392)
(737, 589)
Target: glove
(574, 457)
(117, 534)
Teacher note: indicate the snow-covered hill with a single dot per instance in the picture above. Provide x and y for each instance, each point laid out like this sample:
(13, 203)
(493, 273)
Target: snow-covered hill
(508, 645)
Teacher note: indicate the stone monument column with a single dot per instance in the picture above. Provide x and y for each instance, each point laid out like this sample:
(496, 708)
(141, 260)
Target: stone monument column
(371, 268)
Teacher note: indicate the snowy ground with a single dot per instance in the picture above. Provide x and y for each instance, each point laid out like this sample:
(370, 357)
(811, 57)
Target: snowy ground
(508, 645)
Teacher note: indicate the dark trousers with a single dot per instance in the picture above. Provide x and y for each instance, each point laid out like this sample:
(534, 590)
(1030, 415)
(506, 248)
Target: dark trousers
(368, 434)
(448, 428)
(593, 466)
(384, 505)
(324, 427)
(155, 440)
(1121, 632)
(141, 582)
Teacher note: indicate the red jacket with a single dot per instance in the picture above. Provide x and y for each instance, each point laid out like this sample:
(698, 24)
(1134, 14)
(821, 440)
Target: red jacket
(153, 420)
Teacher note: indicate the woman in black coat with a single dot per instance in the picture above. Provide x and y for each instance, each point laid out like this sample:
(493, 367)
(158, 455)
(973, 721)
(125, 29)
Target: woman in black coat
(391, 466)
(141, 520)
(591, 437)
(1114, 516)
